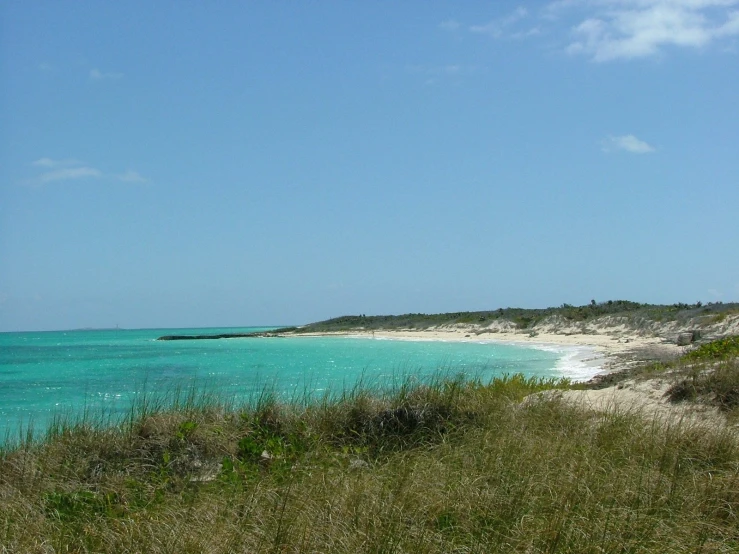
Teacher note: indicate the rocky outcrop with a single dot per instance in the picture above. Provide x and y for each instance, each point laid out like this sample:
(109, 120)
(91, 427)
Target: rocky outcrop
(222, 336)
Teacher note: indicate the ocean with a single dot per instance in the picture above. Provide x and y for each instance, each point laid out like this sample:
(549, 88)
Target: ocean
(43, 374)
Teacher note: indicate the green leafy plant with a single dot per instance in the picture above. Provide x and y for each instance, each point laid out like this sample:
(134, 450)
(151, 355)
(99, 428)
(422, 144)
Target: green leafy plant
(720, 349)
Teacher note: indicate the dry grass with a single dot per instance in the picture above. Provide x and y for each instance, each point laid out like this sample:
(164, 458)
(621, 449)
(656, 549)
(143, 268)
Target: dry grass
(444, 467)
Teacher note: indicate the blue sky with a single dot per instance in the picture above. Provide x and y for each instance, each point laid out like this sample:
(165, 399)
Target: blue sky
(233, 163)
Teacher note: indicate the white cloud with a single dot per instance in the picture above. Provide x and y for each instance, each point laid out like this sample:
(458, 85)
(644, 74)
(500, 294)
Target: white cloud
(69, 174)
(607, 30)
(731, 27)
(629, 29)
(97, 75)
(499, 28)
(131, 176)
(627, 143)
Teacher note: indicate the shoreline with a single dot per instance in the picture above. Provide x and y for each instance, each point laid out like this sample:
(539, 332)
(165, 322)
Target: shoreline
(604, 366)
(595, 355)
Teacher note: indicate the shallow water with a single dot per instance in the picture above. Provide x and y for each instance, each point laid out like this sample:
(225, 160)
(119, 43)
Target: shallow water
(43, 374)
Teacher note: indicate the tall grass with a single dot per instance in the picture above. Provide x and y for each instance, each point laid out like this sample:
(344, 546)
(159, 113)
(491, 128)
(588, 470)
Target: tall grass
(442, 466)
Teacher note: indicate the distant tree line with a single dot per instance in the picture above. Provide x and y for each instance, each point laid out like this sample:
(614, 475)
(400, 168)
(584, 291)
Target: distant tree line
(523, 317)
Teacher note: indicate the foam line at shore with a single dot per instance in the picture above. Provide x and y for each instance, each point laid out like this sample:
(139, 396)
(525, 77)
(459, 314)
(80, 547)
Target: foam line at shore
(576, 362)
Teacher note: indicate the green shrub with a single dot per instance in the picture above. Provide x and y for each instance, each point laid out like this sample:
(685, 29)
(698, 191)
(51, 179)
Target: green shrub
(721, 349)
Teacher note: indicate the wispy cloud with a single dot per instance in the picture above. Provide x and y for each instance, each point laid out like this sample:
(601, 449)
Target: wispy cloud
(97, 75)
(131, 176)
(501, 27)
(69, 174)
(71, 170)
(48, 162)
(450, 25)
(629, 29)
(626, 143)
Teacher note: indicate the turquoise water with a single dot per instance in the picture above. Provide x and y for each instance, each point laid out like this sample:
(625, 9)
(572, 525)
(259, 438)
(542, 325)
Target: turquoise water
(43, 374)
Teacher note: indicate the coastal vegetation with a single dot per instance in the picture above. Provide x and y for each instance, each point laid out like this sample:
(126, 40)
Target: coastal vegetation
(563, 319)
(527, 318)
(441, 466)
(709, 373)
